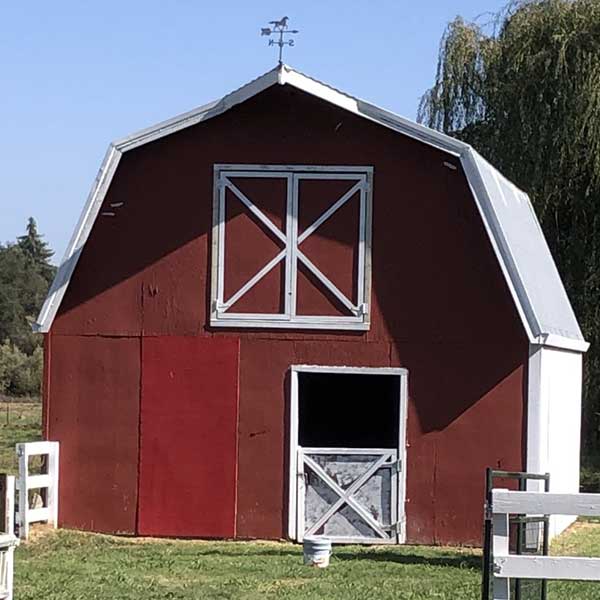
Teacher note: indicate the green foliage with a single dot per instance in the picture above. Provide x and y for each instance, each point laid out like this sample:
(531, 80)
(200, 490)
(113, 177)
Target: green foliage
(37, 251)
(525, 91)
(20, 373)
(22, 292)
(590, 480)
(25, 276)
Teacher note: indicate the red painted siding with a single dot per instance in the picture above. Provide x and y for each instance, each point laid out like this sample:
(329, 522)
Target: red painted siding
(46, 384)
(94, 414)
(188, 450)
(438, 297)
(264, 388)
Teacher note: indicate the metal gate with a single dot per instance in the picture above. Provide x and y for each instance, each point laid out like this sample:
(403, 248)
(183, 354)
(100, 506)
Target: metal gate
(349, 495)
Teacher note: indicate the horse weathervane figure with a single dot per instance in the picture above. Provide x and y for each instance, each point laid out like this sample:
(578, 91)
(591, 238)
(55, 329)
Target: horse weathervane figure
(279, 28)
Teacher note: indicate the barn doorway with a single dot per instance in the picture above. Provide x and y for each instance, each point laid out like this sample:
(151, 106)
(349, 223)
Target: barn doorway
(347, 454)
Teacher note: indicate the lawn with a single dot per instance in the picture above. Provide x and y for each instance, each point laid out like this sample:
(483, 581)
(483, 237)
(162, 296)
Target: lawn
(70, 565)
(61, 565)
(19, 422)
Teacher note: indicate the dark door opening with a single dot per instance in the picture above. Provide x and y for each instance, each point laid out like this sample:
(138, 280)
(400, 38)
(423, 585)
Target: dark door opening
(348, 410)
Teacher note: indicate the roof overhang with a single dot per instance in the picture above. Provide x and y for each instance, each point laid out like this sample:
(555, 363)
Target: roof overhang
(476, 169)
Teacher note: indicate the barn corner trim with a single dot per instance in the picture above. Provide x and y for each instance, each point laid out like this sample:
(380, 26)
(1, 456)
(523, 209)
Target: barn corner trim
(507, 214)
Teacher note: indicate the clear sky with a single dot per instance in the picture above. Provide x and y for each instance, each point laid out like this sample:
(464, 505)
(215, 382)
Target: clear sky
(76, 74)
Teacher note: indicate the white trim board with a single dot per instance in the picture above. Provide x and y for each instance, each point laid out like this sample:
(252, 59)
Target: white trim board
(293, 468)
(521, 286)
(554, 421)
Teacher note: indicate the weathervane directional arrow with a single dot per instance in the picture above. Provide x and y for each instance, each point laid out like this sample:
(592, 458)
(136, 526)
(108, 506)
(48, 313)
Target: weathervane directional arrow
(279, 28)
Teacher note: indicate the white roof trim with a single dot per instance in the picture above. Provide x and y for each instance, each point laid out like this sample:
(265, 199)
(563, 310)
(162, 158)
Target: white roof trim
(482, 201)
(78, 240)
(564, 343)
(284, 75)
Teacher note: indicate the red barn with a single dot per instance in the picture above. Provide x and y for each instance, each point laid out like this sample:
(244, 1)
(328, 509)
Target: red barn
(289, 312)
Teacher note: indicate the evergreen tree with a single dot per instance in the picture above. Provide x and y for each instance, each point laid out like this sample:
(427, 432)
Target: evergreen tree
(525, 91)
(22, 292)
(25, 276)
(35, 248)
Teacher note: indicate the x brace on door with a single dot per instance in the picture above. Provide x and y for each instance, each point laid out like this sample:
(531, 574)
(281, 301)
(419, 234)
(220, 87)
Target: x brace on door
(382, 458)
(223, 310)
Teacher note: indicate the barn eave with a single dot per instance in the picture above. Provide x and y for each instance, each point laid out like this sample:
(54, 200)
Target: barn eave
(506, 211)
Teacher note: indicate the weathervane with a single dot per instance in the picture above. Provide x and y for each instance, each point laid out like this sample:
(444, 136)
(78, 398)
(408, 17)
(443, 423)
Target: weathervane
(279, 28)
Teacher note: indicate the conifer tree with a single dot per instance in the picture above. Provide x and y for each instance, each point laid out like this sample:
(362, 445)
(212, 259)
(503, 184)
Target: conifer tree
(35, 248)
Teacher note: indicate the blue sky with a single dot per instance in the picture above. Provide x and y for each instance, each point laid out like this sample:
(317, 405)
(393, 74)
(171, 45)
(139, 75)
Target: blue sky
(77, 74)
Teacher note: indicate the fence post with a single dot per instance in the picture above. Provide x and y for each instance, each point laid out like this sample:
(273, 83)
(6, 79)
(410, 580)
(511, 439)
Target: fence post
(7, 504)
(7, 539)
(47, 481)
(22, 518)
(500, 546)
(53, 460)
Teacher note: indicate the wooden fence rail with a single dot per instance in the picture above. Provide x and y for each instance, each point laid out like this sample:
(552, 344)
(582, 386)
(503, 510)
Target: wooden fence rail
(508, 566)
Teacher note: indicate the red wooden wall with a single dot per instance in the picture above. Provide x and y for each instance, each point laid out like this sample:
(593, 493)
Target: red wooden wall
(188, 436)
(95, 416)
(439, 307)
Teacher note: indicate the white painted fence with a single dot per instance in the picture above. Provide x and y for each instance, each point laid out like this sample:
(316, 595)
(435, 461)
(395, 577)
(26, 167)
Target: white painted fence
(8, 541)
(7, 548)
(47, 481)
(507, 566)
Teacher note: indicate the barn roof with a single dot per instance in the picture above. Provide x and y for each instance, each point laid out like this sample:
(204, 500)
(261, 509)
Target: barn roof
(506, 211)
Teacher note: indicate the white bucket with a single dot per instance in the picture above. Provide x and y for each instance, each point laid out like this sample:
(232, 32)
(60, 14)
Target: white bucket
(317, 552)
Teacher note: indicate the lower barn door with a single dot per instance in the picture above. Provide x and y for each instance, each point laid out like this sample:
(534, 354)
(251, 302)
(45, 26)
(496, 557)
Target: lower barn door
(188, 437)
(348, 495)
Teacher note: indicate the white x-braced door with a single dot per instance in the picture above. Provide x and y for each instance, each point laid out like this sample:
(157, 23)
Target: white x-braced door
(349, 495)
(291, 247)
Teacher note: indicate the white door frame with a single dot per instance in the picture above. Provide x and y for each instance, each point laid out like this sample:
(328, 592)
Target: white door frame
(293, 533)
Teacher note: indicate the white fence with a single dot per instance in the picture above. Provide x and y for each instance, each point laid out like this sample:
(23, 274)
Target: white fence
(8, 541)
(47, 483)
(507, 566)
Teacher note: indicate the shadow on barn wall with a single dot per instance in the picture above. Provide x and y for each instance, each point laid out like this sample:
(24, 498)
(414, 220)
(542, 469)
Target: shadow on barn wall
(440, 305)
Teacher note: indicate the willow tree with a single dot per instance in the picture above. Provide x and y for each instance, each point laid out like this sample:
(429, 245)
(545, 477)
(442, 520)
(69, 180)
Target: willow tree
(524, 89)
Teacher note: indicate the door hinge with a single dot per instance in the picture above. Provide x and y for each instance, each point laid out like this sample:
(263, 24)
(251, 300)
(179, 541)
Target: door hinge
(394, 528)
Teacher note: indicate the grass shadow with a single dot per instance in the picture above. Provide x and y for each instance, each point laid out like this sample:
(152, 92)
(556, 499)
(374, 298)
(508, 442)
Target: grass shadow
(456, 562)
(453, 561)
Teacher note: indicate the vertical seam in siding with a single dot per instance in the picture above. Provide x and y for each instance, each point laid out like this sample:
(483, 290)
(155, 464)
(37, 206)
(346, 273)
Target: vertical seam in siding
(237, 440)
(435, 491)
(139, 438)
(46, 387)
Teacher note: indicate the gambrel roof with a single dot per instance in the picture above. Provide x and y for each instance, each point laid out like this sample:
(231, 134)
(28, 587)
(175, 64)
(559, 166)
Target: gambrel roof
(506, 211)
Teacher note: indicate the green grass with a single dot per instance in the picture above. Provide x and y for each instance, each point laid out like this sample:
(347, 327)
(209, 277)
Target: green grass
(582, 539)
(19, 422)
(69, 565)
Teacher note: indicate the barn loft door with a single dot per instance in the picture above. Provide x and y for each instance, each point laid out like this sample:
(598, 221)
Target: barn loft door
(291, 247)
(348, 430)
(188, 437)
